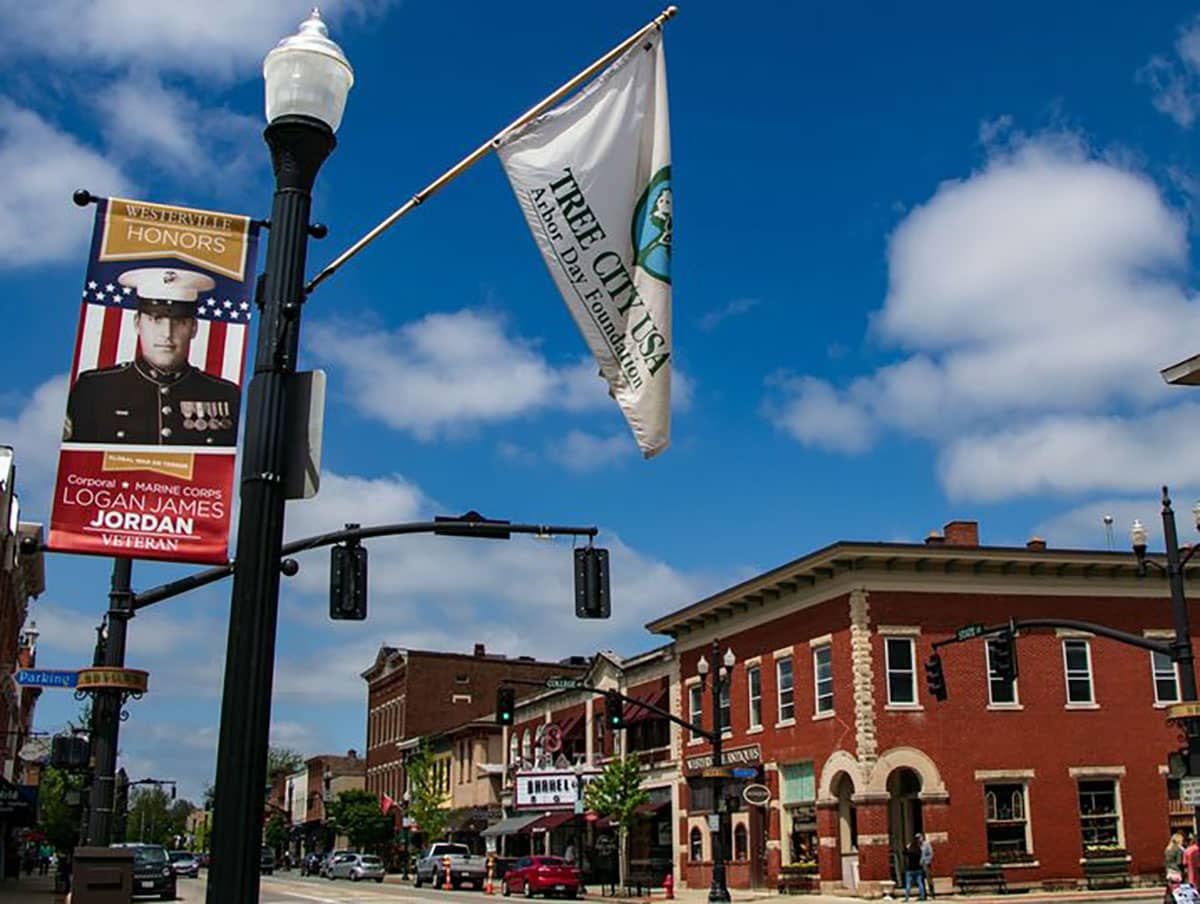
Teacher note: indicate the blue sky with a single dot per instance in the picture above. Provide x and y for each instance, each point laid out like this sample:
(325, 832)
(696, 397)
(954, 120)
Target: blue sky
(928, 263)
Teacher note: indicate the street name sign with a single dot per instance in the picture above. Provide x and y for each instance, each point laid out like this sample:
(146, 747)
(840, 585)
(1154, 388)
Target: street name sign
(1189, 791)
(969, 631)
(46, 678)
(564, 684)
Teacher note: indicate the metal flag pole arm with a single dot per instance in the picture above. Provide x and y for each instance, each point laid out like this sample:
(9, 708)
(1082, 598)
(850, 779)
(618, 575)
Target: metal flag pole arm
(459, 527)
(484, 149)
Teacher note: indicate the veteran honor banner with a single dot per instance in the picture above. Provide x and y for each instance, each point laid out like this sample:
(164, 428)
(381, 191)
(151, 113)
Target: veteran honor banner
(146, 465)
(593, 177)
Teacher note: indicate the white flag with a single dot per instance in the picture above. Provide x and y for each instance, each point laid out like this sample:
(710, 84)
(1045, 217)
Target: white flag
(594, 179)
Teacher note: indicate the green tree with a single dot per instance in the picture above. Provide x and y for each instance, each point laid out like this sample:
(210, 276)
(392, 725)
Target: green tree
(58, 817)
(282, 759)
(149, 817)
(427, 800)
(357, 815)
(616, 793)
(275, 835)
(208, 795)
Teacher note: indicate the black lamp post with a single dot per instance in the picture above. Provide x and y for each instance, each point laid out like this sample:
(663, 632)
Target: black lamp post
(307, 79)
(1181, 645)
(717, 889)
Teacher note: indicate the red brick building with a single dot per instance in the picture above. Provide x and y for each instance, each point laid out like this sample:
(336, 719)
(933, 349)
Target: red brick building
(829, 709)
(418, 693)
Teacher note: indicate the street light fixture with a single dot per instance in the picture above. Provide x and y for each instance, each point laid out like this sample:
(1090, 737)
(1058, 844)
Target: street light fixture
(307, 80)
(718, 890)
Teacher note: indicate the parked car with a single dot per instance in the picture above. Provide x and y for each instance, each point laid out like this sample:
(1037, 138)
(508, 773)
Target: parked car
(152, 873)
(356, 867)
(541, 876)
(185, 863)
(266, 862)
(311, 864)
(464, 866)
(328, 861)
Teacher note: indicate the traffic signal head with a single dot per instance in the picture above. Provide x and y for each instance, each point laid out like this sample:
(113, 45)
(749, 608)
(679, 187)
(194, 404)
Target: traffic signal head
(935, 678)
(614, 710)
(1003, 651)
(506, 703)
(348, 582)
(591, 583)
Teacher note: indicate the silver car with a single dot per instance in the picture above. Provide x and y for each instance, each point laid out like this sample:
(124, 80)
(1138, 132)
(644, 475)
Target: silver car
(185, 863)
(356, 866)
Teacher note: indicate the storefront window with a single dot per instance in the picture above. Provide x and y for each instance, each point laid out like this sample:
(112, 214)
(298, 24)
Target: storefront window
(696, 844)
(1005, 822)
(1098, 817)
(741, 843)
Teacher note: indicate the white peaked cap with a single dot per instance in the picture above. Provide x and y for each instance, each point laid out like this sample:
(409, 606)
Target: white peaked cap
(167, 283)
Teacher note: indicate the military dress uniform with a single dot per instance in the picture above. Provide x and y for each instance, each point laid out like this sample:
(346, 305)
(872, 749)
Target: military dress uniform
(136, 404)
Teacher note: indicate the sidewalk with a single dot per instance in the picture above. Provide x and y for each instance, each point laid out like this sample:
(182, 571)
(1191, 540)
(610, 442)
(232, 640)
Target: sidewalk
(28, 888)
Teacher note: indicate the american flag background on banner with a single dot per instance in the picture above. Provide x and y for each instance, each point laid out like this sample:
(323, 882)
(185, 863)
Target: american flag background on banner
(107, 336)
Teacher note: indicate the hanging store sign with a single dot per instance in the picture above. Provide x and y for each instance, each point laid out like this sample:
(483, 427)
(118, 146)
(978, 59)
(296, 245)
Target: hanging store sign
(756, 795)
(550, 790)
(135, 681)
(145, 469)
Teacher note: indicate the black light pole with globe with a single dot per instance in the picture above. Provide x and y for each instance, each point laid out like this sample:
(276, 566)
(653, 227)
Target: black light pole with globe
(307, 80)
(718, 890)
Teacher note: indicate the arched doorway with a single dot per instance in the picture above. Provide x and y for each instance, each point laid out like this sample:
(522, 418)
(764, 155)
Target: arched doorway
(843, 789)
(904, 813)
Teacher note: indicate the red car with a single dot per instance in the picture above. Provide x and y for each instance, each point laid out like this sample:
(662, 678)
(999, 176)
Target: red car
(542, 875)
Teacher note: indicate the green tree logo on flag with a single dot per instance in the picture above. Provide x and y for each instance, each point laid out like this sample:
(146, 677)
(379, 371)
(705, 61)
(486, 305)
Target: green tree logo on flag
(652, 227)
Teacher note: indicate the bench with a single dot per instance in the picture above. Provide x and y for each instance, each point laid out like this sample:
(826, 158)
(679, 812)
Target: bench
(970, 878)
(797, 879)
(1106, 872)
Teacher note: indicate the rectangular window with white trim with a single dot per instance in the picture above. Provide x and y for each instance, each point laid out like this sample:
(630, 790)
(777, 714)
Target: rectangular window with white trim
(754, 690)
(1099, 816)
(1166, 678)
(726, 707)
(822, 679)
(1006, 820)
(785, 685)
(1077, 662)
(901, 670)
(696, 709)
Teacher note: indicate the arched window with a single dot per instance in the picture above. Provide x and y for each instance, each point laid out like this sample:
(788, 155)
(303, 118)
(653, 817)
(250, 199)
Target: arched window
(1018, 804)
(526, 746)
(989, 805)
(539, 740)
(696, 844)
(740, 842)
(513, 749)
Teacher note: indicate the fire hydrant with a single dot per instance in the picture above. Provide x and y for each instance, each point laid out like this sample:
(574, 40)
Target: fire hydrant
(669, 886)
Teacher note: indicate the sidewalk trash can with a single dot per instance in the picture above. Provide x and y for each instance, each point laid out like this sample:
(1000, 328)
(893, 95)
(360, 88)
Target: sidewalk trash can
(102, 875)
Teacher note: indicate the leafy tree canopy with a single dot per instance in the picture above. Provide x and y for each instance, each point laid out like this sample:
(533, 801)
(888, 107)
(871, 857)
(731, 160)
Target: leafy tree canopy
(427, 801)
(357, 816)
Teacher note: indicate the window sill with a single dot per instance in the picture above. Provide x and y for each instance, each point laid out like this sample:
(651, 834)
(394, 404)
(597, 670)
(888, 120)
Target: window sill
(1000, 707)
(904, 707)
(1019, 864)
(1164, 704)
(785, 723)
(821, 717)
(757, 729)
(1081, 706)
(695, 742)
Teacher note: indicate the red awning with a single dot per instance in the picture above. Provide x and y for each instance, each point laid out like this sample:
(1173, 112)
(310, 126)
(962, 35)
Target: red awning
(570, 724)
(548, 822)
(651, 808)
(635, 713)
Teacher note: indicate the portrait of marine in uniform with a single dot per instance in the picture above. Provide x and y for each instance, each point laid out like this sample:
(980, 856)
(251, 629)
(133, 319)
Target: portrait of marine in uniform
(158, 398)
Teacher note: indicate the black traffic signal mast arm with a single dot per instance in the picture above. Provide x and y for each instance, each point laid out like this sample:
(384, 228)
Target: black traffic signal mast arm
(694, 729)
(461, 527)
(1016, 624)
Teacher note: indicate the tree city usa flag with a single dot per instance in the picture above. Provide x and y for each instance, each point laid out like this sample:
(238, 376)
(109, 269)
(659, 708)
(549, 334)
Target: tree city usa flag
(150, 432)
(593, 177)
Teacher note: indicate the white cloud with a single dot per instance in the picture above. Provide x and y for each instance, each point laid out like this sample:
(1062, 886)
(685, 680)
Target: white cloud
(34, 432)
(149, 122)
(38, 220)
(1030, 300)
(584, 452)
(1083, 527)
(222, 38)
(714, 318)
(1174, 81)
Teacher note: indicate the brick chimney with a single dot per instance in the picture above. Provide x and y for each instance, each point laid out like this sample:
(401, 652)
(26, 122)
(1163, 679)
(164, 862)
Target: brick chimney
(962, 533)
(480, 650)
(1037, 544)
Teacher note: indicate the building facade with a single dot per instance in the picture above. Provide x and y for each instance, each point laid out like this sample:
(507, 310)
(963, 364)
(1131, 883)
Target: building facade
(828, 708)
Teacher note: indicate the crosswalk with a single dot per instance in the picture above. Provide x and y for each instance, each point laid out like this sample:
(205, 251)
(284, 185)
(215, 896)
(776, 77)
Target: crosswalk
(285, 889)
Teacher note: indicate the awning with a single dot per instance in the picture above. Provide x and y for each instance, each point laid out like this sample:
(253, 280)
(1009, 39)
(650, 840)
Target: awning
(510, 826)
(635, 713)
(652, 808)
(570, 724)
(548, 822)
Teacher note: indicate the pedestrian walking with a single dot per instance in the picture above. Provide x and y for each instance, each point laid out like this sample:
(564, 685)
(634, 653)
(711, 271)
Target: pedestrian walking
(1191, 858)
(912, 868)
(927, 862)
(1173, 866)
